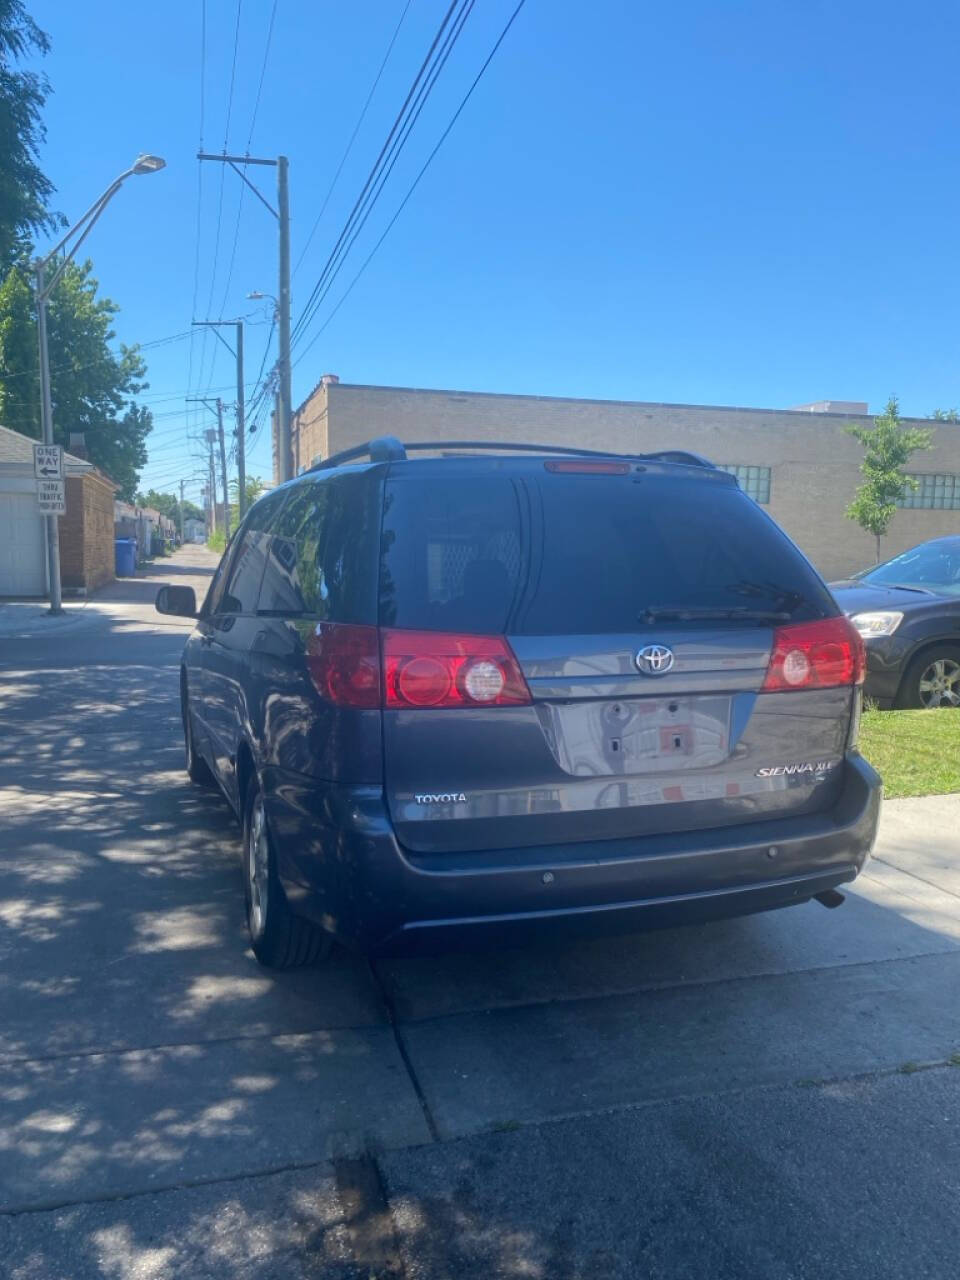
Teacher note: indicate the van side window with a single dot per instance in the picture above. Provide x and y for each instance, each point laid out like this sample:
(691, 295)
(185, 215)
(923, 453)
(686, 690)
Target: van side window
(322, 557)
(245, 570)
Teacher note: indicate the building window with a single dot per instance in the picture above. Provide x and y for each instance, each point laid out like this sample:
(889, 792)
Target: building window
(933, 493)
(754, 481)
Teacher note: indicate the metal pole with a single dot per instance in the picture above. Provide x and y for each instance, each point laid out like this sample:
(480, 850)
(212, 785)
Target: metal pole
(212, 485)
(223, 471)
(46, 429)
(283, 320)
(241, 428)
(182, 483)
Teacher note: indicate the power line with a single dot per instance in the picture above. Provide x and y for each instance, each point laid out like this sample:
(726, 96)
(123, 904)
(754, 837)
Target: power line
(416, 182)
(419, 104)
(374, 172)
(356, 130)
(263, 72)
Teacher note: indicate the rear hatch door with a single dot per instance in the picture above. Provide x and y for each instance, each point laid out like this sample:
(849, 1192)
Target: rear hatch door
(640, 604)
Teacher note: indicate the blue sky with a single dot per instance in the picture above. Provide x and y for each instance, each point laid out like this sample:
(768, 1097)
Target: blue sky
(745, 203)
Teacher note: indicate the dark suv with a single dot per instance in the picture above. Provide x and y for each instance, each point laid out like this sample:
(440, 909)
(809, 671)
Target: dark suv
(495, 696)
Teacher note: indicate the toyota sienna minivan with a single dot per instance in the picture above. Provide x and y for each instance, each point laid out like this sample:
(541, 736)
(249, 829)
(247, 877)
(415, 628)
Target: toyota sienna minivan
(502, 692)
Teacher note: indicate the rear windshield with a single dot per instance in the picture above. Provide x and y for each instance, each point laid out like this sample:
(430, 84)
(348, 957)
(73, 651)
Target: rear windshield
(546, 554)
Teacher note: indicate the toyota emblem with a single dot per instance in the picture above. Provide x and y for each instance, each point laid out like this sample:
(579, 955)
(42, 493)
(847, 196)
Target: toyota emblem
(654, 660)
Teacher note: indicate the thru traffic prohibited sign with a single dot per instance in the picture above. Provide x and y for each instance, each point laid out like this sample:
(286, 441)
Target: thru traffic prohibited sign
(48, 461)
(51, 498)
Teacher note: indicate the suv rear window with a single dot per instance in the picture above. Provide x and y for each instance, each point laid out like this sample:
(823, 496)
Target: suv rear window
(546, 554)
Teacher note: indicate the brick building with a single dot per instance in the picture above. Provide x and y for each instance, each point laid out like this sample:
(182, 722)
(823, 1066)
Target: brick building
(86, 532)
(799, 463)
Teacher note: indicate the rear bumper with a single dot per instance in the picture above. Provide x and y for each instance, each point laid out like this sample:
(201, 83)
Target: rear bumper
(341, 864)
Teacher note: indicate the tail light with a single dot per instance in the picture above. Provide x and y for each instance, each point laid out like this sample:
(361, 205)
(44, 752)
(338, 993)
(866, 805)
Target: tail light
(344, 663)
(815, 655)
(433, 669)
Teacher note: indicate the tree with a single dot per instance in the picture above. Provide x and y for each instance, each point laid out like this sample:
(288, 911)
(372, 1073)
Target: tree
(888, 445)
(168, 505)
(92, 386)
(946, 415)
(254, 487)
(24, 189)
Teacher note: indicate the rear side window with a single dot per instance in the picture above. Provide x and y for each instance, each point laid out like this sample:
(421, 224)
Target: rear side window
(544, 554)
(321, 559)
(248, 555)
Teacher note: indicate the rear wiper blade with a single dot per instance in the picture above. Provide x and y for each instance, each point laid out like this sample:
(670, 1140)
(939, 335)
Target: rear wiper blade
(706, 613)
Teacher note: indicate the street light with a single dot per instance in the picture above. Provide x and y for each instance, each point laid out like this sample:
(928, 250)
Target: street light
(45, 287)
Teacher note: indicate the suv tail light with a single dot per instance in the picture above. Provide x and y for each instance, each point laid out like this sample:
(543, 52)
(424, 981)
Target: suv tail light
(434, 669)
(815, 655)
(344, 663)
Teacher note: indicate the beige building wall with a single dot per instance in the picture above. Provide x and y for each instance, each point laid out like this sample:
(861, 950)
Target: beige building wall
(814, 463)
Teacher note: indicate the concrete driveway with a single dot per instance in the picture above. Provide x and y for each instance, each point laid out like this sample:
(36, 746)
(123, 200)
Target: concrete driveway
(771, 1097)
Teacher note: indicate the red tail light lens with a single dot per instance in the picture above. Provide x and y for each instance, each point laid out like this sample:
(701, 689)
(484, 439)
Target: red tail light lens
(434, 669)
(588, 468)
(815, 655)
(344, 663)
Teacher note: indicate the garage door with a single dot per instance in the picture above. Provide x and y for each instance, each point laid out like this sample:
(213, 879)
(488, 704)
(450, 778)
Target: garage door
(21, 546)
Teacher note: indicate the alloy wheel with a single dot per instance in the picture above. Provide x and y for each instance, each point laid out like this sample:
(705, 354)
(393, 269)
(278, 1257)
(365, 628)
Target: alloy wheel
(940, 684)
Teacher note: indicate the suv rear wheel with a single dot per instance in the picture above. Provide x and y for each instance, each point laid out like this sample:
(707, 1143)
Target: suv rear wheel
(280, 939)
(932, 680)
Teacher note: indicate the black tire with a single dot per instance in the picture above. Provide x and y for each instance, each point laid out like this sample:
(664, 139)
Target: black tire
(198, 770)
(932, 679)
(280, 940)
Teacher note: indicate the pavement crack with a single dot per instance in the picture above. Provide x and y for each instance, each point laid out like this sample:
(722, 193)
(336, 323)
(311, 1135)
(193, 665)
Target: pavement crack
(403, 1051)
(913, 875)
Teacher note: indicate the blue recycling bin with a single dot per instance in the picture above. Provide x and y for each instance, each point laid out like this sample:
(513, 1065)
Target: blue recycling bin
(126, 555)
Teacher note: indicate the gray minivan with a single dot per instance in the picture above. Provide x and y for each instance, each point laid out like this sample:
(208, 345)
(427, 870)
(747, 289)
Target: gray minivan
(495, 695)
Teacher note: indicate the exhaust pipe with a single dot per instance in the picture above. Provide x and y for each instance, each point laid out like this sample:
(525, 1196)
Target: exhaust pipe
(830, 898)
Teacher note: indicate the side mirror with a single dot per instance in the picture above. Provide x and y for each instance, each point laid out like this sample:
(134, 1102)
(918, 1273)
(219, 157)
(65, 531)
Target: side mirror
(179, 601)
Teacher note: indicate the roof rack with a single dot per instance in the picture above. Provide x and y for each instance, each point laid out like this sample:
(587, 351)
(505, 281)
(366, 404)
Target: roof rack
(389, 449)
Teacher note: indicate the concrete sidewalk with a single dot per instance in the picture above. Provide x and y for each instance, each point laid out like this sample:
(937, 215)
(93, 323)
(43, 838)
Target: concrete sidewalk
(125, 601)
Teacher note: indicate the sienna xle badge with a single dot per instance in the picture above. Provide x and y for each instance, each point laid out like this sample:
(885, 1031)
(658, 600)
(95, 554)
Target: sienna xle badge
(512, 692)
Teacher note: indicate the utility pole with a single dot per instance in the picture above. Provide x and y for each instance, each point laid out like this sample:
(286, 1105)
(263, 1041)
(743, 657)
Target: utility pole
(213, 435)
(223, 471)
(283, 323)
(282, 215)
(241, 404)
(212, 481)
(182, 483)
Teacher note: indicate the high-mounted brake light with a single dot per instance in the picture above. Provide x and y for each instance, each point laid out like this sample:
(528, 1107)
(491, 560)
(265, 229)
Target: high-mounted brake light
(435, 669)
(815, 655)
(344, 663)
(588, 468)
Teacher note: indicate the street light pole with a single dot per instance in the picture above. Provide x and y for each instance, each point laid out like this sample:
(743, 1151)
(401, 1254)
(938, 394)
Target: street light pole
(46, 430)
(143, 164)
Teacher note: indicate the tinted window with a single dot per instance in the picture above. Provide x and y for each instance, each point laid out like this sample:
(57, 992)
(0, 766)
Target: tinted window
(321, 560)
(545, 555)
(247, 558)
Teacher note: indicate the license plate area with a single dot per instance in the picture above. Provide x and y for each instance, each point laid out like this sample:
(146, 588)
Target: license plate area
(638, 735)
(667, 733)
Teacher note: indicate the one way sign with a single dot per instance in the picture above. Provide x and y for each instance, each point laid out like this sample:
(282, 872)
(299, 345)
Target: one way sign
(48, 461)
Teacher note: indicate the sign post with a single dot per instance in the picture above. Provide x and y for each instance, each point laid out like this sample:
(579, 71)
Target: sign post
(51, 495)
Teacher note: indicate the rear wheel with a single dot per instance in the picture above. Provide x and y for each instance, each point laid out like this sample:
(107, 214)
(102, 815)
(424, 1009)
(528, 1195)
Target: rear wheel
(932, 680)
(280, 939)
(198, 770)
